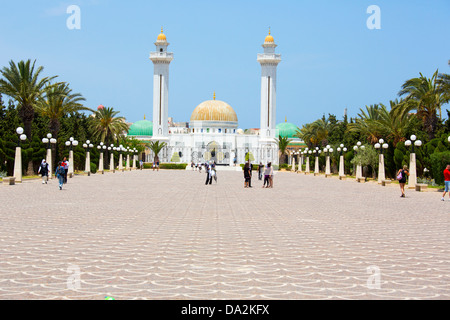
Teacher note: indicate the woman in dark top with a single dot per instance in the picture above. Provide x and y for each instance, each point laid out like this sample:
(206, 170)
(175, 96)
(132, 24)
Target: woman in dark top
(246, 175)
(402, 181)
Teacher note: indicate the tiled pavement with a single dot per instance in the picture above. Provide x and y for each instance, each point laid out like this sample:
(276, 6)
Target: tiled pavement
(165, 235)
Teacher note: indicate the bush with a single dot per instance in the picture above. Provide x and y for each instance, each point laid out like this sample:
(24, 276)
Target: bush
(439, 160)
(93, 168)
(255, 167)
(167, 166)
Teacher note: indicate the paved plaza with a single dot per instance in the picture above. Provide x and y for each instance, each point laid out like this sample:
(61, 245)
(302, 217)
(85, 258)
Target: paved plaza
(165, 235)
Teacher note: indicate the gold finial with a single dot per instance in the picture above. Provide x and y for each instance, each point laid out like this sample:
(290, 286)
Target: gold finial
(269, 31)
(214, 95)
(162, 30)
(144, 116)
(285, 119)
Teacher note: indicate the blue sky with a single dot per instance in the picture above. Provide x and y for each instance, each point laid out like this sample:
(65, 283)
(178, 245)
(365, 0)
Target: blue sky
(331, 60)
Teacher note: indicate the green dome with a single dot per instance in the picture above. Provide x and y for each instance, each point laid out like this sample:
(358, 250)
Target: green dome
(141, 128)
(287, 129)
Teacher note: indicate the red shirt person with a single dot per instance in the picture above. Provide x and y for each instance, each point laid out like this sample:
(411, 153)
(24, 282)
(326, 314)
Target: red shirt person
(447, 181)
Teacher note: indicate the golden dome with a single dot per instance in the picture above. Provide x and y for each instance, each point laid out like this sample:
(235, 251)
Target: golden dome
(269, 38)
(162, 36)
(214, 110)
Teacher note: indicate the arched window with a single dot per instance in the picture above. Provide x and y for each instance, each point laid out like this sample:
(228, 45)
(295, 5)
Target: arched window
(161, 50)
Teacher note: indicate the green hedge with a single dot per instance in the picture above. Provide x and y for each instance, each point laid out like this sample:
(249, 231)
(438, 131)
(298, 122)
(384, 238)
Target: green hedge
(255, 167)
(167, 166)
(439, 161)
(93, 168)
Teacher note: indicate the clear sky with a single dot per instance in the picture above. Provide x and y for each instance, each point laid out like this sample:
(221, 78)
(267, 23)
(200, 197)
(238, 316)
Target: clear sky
(331, 60)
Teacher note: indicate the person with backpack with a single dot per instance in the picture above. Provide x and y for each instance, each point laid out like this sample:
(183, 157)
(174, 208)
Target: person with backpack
(65, 164)
(43, 170)
(401, 177)
(59, 174)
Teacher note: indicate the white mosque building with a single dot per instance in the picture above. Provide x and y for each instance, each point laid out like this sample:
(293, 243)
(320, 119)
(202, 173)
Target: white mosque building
(212, 134)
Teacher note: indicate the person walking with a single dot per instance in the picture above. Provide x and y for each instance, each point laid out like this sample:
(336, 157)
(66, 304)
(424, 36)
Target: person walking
(447, 182)
(60, 174)
(251, 173)
(43, 170)
(208, 170)
(401, 177)
(267, 172)
(246, 175)
(260, 170)
(141, 164)
(65, 165)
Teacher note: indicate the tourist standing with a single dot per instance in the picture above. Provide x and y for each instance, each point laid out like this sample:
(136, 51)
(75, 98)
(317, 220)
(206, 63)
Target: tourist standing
(65, 164)
(43, 170)
(260, 170)
(141, 164)
(447, 182)
(401, 177)
(246, 175)
(60, 173)
(157, 165)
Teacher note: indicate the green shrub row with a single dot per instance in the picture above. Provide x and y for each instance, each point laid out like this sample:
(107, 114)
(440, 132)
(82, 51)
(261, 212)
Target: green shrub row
(167, 166)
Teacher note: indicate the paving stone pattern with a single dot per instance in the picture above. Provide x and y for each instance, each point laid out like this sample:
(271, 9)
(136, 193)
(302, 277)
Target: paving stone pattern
(165, 235)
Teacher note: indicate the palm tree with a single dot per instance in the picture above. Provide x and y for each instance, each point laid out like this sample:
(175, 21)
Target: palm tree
(367, 123)
(321, 128)
(156, 147)
(283, 143)
(106, 126)
(443, 82)
(21, 82)
(58, 102)
(425, 96)
(394, 124)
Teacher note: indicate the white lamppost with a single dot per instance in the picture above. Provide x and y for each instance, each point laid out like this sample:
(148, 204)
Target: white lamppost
(134, 158)
(49, 141)
(71, 143)
(308, 167)
(127, 166)
(87, 165)
(300, 163)
(316, 163)
(112, 166)
(120, 149)
(341, 151)
(101, 161)
(412, 181)
(358, 166)
(18, 157)
(381, 170)
(327, 151)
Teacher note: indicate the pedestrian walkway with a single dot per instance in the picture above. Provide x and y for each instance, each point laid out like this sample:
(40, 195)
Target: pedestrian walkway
(165, 235)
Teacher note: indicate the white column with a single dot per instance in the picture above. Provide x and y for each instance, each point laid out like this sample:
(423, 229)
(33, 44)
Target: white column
(112, 167)
(49, 161)
(341, 166)
(412, 179)
(328, 167)
(120, 162)
(18, 165)
(101, 163)
(293, 163)
(127, 166)
(134, 161)
(71, 164)
(308, 170)
(300, 165)
(87, 165)
(381, 172)
(358, 171)
(316, 166)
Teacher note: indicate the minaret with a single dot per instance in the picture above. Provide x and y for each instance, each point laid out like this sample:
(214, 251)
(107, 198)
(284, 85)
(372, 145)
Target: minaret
(269, 61)
(161, 60)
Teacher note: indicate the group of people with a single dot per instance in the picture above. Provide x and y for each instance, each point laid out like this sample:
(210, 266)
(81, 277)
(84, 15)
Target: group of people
(60, 172)
(267, 171)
